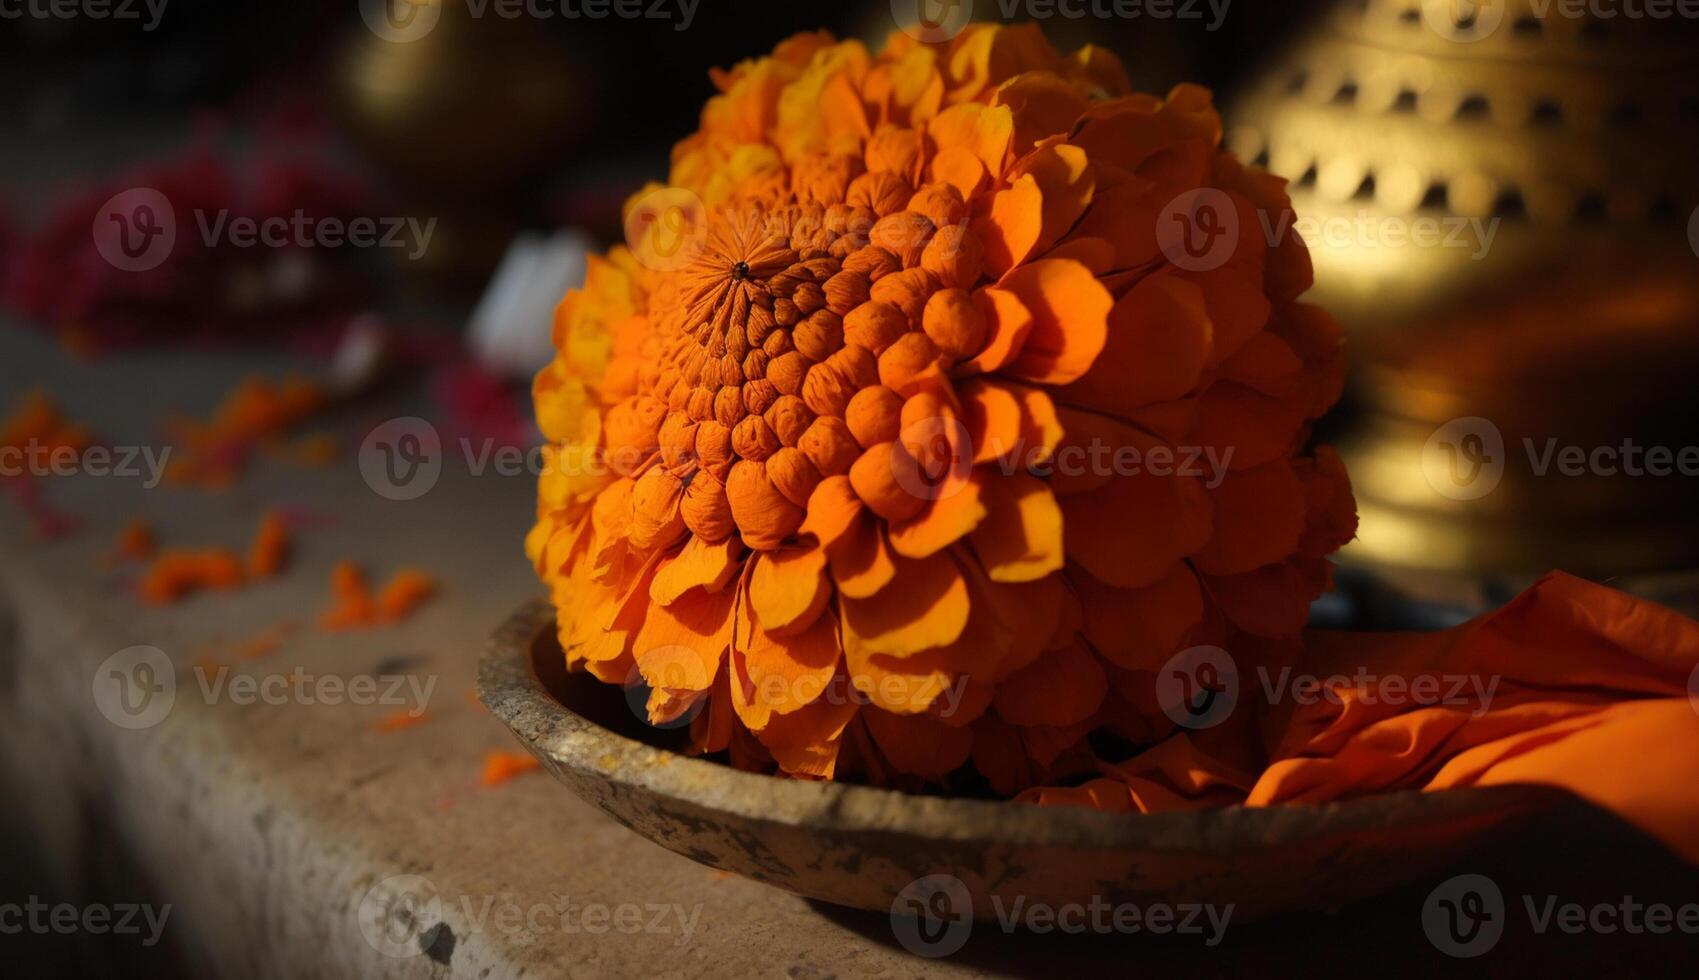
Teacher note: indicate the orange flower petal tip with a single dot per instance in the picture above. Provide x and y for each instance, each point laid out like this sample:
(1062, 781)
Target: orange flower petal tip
(501, 766)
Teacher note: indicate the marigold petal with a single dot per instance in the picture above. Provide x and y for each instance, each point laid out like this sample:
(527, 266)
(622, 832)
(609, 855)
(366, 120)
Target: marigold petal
(1158, 341)
(680, 646)
(861, 560)
(1063, 687)
(918, 745)
(1042, 103)
(1010, 325)
(956, 511)
(1259, 518)
(926, 606)
(1130, 530)
(1070, 311)
(1139, 629)
(806, 742)
(832, 511)
(958, 167)
(788, 589)
(1021, 537)
(1008, 226)
(985, 131)
(698, 565)
(787, 672)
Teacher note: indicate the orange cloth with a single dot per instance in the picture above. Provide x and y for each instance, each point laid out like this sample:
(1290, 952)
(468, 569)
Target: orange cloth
(1589, 692)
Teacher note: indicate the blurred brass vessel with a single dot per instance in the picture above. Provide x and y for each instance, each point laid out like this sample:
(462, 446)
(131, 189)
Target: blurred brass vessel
(1552, 164)
(466, 114)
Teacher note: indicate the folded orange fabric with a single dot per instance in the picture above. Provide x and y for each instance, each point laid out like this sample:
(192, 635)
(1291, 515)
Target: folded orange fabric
(1586, 688)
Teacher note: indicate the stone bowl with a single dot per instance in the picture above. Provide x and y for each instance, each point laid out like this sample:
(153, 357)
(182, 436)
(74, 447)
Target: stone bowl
(864, 847)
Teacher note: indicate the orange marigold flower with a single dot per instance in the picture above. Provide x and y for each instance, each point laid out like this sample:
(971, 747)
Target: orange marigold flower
(883, 445)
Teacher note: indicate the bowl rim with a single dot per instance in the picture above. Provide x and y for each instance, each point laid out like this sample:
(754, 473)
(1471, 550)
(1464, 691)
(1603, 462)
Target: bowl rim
(511, 689)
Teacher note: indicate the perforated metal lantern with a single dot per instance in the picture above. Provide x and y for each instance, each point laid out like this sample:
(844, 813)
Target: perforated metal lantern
(1501, 207)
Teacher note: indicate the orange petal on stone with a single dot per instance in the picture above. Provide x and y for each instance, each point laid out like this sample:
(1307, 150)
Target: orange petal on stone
(832, 511)
(925, 606)
(680, 646)
(1259, 518)
(1139, 629)
(1070, 311)
(1010, 325)
(951, 516)
(1021, 537)
(1063, 687)
(698, 565)
(788, 589)
(1158, 341)
(861, 560)
(1009, 226)
(918, 745)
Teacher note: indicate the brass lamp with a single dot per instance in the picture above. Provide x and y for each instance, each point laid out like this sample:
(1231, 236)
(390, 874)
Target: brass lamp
(1500, 202)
